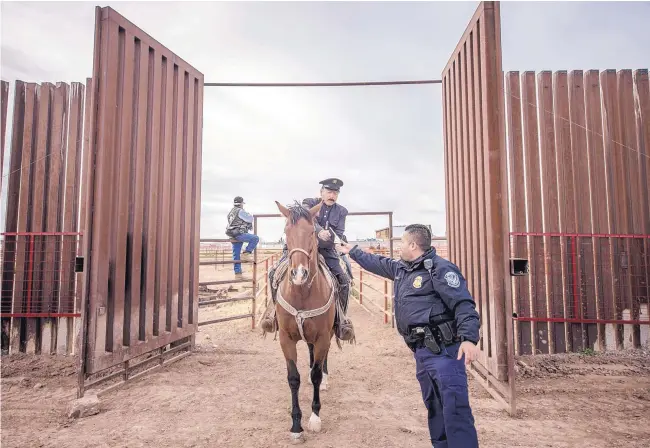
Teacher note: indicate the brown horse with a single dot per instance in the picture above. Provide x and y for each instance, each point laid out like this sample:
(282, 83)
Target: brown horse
(305, 309)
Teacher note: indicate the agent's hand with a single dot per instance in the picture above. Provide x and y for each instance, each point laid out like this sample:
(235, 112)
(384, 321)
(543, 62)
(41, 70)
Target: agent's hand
(470, 351)
(324, 235)
(345, 248)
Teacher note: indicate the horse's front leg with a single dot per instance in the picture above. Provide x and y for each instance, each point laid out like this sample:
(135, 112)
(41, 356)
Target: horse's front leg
(293, 377)
(323, 384)
(321, 348)
(311, 360)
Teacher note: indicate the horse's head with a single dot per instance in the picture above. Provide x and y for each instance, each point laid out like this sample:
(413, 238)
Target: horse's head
(301, 240)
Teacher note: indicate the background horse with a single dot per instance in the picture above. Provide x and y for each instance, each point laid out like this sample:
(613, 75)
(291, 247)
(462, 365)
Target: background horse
(305, 310)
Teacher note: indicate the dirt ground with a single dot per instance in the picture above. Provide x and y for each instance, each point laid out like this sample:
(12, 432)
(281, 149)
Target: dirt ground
(233, 392)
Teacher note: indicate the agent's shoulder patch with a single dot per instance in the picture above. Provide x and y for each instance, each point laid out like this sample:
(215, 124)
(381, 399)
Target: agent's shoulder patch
(452, 279)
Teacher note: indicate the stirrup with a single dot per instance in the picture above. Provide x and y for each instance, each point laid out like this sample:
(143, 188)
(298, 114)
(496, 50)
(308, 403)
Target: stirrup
(269, 325)
(345, 330)
(269, 321)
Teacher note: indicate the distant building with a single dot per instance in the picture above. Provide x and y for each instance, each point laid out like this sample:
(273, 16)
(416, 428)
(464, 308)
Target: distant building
(398, 231)
(439, 242)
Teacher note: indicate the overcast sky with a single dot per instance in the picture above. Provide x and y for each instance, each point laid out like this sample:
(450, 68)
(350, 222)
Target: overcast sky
(385, 143)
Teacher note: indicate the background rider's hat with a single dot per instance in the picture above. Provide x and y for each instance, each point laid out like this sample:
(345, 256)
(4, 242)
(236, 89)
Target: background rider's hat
(332, 184)
(238, 200)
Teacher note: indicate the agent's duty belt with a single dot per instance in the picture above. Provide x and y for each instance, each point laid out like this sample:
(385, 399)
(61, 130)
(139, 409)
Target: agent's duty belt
(433, 337)
(423, 335)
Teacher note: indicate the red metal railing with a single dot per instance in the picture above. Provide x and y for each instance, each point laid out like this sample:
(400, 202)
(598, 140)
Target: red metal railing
(38, 274)
(582, 290)
(595, 277)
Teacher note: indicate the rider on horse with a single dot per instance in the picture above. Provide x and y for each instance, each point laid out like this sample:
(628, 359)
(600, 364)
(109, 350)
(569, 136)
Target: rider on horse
(330, 225)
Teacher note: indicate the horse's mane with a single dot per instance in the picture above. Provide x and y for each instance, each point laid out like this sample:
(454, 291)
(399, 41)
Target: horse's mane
(297, 211)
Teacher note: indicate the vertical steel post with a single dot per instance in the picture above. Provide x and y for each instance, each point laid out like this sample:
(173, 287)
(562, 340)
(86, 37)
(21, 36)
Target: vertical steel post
(385, 301)
(254, 276)
(390, 239)
(266, 282)
(361, 286)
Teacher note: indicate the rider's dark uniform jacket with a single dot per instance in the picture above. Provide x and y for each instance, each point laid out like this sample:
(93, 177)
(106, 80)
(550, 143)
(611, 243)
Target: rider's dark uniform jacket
(422, 299)
(330, 217)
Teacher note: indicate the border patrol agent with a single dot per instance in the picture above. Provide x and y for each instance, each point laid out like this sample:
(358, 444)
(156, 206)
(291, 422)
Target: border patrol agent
(436, 316)
(330, 223)
(240, 222)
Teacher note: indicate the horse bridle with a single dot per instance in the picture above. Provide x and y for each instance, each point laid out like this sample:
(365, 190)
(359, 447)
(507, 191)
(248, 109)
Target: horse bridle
(298, 249)
(309, 254)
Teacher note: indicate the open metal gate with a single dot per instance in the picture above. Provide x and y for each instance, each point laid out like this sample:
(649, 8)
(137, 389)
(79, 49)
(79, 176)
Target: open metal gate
(143, 181)
(477, 192)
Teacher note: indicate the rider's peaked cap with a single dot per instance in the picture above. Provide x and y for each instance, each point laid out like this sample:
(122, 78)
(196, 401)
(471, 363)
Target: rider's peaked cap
(238, 200)
(332, 183)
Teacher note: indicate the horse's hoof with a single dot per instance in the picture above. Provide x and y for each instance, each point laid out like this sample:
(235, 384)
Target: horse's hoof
(323, 384)
(296, 438)
(315, 423)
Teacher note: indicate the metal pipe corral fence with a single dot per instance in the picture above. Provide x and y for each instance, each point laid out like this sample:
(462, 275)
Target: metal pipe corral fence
(368, 293)
(256, 282)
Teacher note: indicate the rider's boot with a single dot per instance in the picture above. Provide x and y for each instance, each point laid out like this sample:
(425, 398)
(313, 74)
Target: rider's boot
(345, 297)
(343, 327)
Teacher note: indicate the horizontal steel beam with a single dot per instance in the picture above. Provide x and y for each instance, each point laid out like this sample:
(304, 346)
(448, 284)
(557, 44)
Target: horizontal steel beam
(322, 84)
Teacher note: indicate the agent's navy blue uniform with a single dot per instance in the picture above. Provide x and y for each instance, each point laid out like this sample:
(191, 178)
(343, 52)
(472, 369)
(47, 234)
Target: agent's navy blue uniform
(421, 298)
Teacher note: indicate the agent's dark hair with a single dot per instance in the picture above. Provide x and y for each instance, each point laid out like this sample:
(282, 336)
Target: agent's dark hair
(420, 235)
